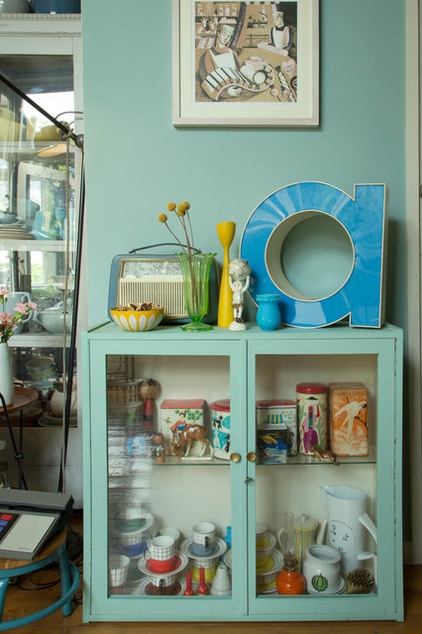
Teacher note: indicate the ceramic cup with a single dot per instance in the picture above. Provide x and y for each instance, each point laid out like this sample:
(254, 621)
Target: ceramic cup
(131, 517)
(321, 569)
(166, 584)
(161, 554)
(133, 544)
(170, 532)
(203, 536)
(118, 566)
(209, 565)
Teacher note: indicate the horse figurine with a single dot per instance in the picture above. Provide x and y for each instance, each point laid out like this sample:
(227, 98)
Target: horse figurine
(186, 438)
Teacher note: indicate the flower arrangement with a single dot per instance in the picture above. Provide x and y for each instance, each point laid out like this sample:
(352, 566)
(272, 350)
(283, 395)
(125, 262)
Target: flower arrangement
(182, 213)
(9, 322)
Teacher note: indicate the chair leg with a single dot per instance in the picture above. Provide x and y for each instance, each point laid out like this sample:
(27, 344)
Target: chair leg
(66, 581)
(3, 588)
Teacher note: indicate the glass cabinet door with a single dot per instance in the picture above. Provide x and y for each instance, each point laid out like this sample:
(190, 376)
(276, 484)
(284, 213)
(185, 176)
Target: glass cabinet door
(317, 490)
(40, 181)
(174, 449)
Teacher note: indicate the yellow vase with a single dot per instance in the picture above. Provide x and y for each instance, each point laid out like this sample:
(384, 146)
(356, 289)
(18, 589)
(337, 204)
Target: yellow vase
(225, 231)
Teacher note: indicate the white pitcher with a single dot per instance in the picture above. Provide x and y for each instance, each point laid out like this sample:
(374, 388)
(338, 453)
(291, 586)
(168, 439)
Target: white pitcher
(347, 518)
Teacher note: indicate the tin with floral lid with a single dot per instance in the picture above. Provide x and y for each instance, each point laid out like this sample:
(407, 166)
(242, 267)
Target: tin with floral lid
(311, 416)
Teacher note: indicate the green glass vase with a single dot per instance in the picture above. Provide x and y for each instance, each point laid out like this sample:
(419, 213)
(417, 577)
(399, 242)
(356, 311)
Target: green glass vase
(196, 269)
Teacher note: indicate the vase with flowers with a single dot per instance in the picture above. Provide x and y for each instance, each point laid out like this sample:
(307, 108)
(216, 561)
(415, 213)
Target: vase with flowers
(196, 267)
(8, 324)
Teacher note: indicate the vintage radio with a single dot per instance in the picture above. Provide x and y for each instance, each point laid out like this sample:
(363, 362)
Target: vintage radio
(156, 278)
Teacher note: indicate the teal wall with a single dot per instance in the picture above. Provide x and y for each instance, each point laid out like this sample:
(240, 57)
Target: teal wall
(136, 161)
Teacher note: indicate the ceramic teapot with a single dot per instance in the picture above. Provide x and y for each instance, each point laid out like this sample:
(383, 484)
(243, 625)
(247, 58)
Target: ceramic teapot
(346, 521)
(53, 319)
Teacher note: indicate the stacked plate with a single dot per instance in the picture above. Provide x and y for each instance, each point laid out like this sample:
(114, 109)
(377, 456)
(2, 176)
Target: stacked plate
(269, 561)
(13, 230)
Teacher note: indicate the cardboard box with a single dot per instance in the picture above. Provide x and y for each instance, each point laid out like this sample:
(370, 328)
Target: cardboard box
(348, 416)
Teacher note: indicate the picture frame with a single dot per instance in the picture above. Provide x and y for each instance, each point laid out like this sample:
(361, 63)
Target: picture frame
(246, 63)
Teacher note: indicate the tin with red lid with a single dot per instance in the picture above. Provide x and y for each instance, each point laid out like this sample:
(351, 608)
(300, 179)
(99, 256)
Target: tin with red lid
(311, 416)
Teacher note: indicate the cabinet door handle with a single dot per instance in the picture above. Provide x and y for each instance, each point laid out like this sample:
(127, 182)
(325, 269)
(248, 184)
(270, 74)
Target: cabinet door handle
(235, 457)
(251, 456)
(248, 480)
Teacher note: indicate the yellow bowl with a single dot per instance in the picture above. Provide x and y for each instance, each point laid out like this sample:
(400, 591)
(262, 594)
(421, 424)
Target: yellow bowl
(137, 320)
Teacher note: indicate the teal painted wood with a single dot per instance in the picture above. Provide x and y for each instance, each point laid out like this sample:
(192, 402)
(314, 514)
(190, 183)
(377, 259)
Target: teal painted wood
(379, 352)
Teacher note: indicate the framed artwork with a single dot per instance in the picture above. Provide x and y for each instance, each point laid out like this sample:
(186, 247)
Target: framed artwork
(248, 63)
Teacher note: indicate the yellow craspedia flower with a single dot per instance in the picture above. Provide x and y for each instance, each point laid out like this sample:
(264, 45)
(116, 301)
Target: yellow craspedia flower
(162, 218)
(182, 207)
(171, 206)
(187, 205)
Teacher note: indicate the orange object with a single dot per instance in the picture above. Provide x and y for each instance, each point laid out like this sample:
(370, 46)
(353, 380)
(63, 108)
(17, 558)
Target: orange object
(290, 580)
(348, 407)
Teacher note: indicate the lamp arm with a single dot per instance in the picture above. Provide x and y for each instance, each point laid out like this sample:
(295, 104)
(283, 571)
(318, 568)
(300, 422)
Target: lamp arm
(77, 138)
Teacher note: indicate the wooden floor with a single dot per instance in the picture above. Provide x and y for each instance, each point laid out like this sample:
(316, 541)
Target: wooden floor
(28, 596)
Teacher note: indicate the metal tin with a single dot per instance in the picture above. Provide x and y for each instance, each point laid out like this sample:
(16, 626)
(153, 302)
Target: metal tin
(176, 414)
(272, 446)
(311, 416)
(279, 414)
(220, 424)
(348, 406)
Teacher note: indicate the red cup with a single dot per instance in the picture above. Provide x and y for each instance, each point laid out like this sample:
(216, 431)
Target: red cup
(161, 565)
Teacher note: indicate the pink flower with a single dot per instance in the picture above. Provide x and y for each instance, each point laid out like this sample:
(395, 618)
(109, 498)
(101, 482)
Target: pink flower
(9, 322)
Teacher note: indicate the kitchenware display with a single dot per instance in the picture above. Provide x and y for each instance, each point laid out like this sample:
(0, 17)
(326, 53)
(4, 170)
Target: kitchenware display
(56, 319)
(9, 219)
(209, 567)
(42, 372)
(321, 569)
(149, 588)
(118, 567)
(221, 585)
(171, 532)
(161, 554)
(346, 523)
(218, 549)
(132, 517)
(305, 528)
(137, 320)
(203, 537)
(269, 560)
(57, 400)
(180, 562)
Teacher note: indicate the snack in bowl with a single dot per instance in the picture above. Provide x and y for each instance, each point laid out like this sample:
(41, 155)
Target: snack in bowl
(138, 317)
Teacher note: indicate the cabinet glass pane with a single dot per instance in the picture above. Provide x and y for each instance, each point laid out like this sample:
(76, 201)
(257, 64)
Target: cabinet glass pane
(305, 497)
(161, 487)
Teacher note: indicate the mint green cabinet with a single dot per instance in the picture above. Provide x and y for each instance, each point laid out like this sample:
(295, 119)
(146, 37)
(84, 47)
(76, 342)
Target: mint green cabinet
(130, 488)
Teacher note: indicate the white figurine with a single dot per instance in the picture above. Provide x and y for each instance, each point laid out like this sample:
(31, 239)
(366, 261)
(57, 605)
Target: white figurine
(239, 273)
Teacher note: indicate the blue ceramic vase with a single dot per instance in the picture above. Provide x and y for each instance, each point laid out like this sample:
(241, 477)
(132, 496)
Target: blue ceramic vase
(268, 315)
